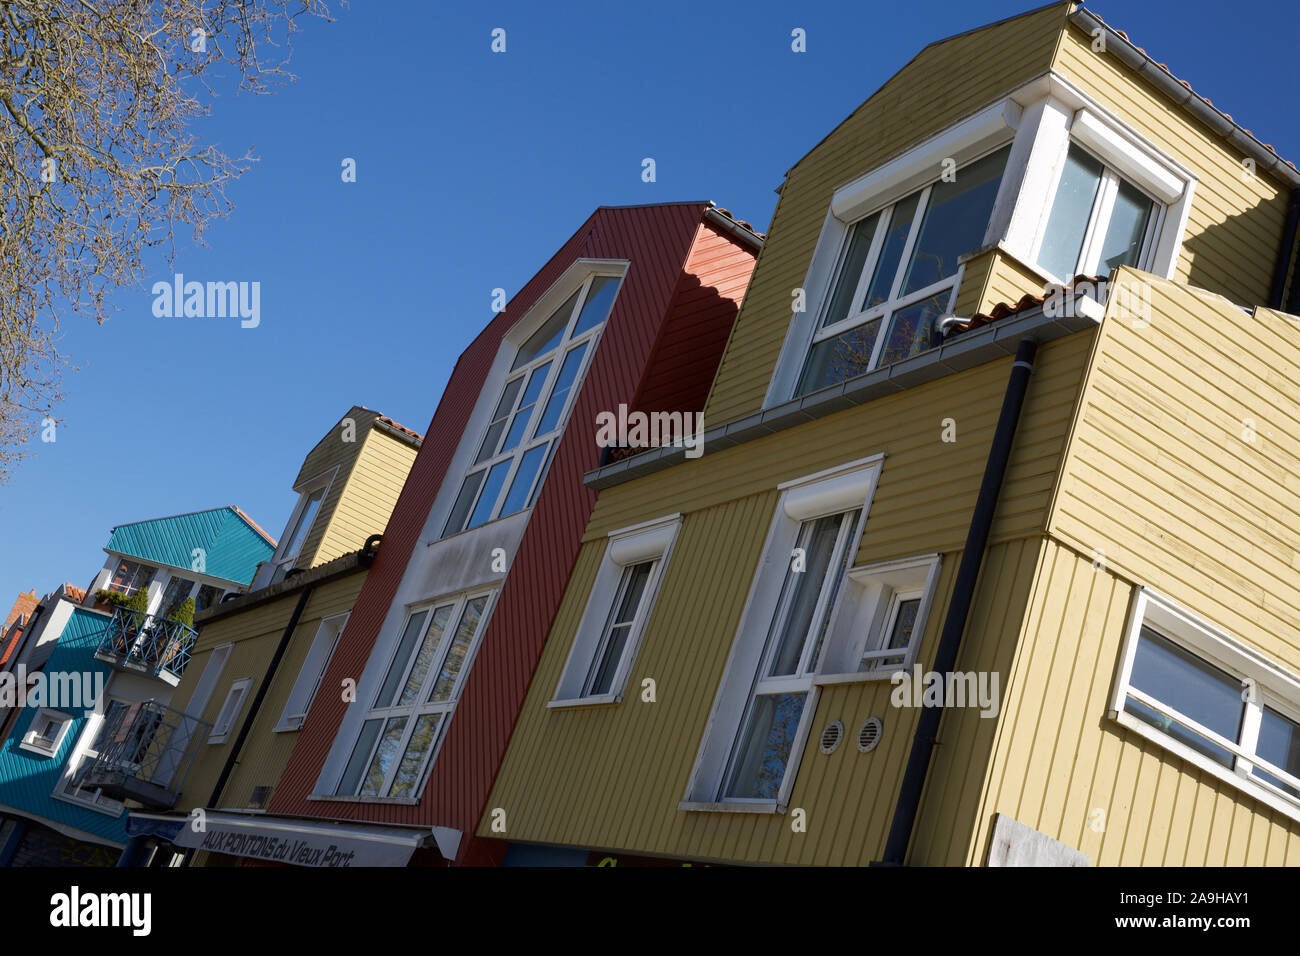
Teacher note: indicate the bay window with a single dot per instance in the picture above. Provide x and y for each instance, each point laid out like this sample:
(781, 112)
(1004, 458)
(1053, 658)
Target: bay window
(516, 449)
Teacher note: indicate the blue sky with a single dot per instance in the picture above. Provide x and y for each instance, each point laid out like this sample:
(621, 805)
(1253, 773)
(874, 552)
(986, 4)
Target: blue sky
(472, 168)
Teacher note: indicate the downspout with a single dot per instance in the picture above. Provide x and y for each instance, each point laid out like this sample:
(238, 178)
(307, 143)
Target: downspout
(1284, 254)
(963, 594)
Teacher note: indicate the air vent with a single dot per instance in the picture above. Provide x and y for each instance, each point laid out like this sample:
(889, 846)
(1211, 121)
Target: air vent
(832, 736)
(870, 733)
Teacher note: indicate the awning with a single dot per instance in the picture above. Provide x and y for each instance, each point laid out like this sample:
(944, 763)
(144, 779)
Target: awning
(294, 841)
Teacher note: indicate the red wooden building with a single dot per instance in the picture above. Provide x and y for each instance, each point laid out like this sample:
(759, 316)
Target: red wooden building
(635, 309)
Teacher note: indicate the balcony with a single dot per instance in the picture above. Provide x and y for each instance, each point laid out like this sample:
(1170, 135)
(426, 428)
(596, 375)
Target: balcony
(149, 751)
(139, 643)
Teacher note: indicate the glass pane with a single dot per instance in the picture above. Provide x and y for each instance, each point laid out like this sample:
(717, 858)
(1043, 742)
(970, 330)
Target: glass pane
(900, 224)
(1128, 225)
(303, 525)
(599, 298)
(455, 660)
(491, 490)
(620, 627)
(209, 596)
(901, 634)
(360, 756)
(400, 658)
(384, 756)
(954, 221)
(520, 425)
(911, 330)
(422, 737)
(178, 589)
(456, 520)
(1279, 744)
(560, 392)
(803, 588)
(537, 485)
(1189, 685)
(424, 657)
(522, 483)
(763, 751)
(499, 416)
(548, 336)
(855, 257)
(837, 359)
(1071, 209)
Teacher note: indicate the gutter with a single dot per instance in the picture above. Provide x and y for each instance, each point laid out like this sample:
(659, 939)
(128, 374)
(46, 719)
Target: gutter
(1277, 294)
(733, 228)
(963, 594)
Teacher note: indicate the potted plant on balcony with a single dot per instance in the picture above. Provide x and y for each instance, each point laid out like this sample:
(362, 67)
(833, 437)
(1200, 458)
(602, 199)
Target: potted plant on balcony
(182, 615)
(132, 620)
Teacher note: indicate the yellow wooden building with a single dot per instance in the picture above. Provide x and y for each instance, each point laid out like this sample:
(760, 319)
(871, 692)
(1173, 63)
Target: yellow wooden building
(1066, 506)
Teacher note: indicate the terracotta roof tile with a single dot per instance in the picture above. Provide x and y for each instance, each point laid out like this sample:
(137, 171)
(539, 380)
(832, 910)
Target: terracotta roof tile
(75, 593)
(398, 425)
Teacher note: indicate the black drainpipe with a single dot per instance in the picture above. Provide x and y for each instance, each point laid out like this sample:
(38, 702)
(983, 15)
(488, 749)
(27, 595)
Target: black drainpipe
(1284, 254)
(963, 594)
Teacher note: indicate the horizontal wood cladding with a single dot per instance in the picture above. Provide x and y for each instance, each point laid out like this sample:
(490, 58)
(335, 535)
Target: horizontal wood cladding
(610, 777)
(1236, 220)
(942, 84)
(367, 494)
(1183, 466)
(1061, 766)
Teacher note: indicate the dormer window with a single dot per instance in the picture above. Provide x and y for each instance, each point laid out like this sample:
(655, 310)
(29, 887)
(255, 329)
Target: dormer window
(1099, 221)
(299, 527)
(130, 576)
(544, 377)
(898, 274)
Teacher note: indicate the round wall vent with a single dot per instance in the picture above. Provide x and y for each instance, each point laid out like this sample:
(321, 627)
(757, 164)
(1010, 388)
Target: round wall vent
(870, 733)
(832, 736)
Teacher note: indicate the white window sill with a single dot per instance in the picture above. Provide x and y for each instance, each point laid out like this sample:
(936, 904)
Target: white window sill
(39, 751)
(218, 740)
(286, 728)
(584, 701)
(731, 806)
(859, 677)
(340, 798)
(107, 811)
(1259, 791)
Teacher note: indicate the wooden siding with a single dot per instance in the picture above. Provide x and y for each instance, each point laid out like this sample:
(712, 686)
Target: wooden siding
(1235, 224)
(255, 635)
(942, 84)
(611, 777)
(331, 454)
(365, 497)
(1058, 759)
(658, 241)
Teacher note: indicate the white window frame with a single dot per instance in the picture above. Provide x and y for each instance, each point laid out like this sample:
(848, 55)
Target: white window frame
(308, 682)
(1275, 687)
(82, 752)
(650, 541)
(29, 741)
(529, 440)
(220, 734)
(836, 490)
(134, 586)
(420, 706)
(864, 618)
(322, 483)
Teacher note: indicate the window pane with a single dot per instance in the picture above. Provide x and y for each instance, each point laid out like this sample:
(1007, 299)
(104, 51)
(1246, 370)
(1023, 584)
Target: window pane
(178, 589)
(520, 425)
(455, 660)
(422, 737)
(560, 392)
(620, 627)
(954, 221)
(855, 257)
(900, 224)
(491, 490)
(764, 750)
(400, 658)
(424, 657)
(1071, 209)
(911, 330)
(548, 336)
(517, 496)
(360, 757)
(803, 588)
(596, 309)
(840, 358)
(208, 596)
(384, 756)
(499, 416)
(537, 485)
(1279, 744)
(303, 524)
(1126, 229)
(1191, 686)
(456, 521)
(901, 634)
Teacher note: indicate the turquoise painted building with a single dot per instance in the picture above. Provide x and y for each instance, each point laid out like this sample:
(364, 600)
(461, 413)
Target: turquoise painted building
(87, 664)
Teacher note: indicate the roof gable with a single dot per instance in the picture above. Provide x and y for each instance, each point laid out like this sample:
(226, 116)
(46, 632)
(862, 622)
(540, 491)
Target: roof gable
(232, 545)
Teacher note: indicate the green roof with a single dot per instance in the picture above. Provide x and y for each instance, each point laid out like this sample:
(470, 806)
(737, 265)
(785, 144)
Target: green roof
(231, 545)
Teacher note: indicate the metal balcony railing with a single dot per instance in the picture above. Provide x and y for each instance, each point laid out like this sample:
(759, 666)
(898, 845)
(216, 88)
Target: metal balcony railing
(146, 643)
(147, 752)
